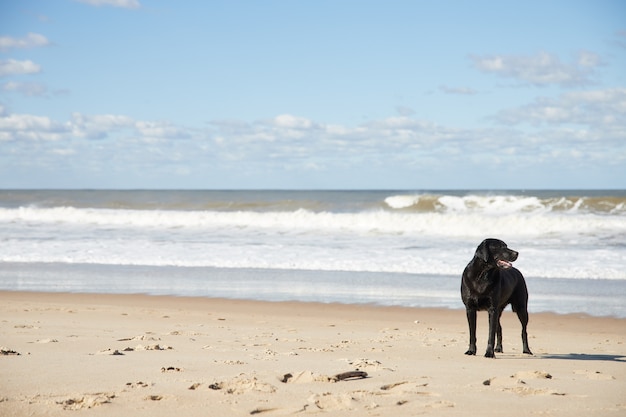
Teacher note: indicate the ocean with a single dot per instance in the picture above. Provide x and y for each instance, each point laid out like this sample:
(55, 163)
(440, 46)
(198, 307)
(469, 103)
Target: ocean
(405, 248)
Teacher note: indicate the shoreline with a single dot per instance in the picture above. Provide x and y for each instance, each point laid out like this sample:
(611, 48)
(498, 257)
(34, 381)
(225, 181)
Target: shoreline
(598, 297)
(200, 301)
(145, 355)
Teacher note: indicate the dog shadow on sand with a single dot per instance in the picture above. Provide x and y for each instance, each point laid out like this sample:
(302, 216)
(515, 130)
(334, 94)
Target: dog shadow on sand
(585, 357)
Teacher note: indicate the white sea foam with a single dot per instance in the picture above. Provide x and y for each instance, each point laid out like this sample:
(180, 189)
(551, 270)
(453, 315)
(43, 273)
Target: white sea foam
(402, 201)
(553, 244)
(457, 223)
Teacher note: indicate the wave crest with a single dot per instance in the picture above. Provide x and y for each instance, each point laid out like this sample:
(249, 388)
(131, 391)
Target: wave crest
(458, 222)
(505, 204)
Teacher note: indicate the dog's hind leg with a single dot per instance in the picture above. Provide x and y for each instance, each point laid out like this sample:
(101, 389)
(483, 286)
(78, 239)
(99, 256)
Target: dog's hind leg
(522, 314)
(471, 321)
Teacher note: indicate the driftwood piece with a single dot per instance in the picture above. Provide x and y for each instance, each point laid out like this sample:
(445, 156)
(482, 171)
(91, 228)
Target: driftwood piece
(349, 375)
(324, 378)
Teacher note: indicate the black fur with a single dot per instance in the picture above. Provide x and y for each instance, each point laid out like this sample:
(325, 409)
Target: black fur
(490, 283)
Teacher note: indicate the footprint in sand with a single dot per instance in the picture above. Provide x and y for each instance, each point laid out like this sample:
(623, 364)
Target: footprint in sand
(171, 369)
(368, 400)
(47, 341)
(86, 401)
(519, 377)
(25, 326)
(441, 404)
(523, 375)
(406, 387)
(406, 391)
(370, 364)
(140, 337)
(333, 402)
(304, 377)
(595, 375)
(525, 391)
(518, 383)
(153, 347)
(138, 384)
(112, 352)
(232, 362)
(148, 347)
(242, 384)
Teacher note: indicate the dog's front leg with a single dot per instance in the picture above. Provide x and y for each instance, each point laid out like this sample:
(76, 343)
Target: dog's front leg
(499, 333)
(493, 326)
(471, 321)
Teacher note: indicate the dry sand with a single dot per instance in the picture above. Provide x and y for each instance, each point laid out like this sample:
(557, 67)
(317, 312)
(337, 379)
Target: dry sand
(135, 355)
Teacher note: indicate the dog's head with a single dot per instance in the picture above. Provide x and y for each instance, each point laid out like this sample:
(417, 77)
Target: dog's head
(496, 253)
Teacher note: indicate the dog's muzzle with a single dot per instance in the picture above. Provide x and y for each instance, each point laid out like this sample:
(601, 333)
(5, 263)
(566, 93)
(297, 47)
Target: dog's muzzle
(504, 264)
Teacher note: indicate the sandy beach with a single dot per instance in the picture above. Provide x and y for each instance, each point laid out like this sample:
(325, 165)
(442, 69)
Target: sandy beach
(136, 355)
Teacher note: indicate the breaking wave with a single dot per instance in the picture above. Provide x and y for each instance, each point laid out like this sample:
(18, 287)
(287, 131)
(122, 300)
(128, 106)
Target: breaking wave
(506, 204)
(456, 219)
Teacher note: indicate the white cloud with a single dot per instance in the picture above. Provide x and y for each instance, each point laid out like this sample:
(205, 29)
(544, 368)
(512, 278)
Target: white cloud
(392, 126)
(541, 69)
(126, 4)
(160, 130)
(31, 40)
(588, 59)
(589, 115)
(28, 89)
(603, 109)
(292, 122)
(98, 126)
(28, 127)
(15, 67)
(101, 121)
(295, 146)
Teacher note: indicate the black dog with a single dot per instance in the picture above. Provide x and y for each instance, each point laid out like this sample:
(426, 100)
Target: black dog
(491, 283)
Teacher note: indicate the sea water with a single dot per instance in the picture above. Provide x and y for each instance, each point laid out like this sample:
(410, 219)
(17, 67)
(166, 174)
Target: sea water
(386, 247)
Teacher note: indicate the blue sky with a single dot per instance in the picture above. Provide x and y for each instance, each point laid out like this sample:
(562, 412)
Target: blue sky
(313, 94)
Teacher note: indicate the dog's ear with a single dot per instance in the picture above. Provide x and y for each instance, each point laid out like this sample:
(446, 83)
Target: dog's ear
(482, 251)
